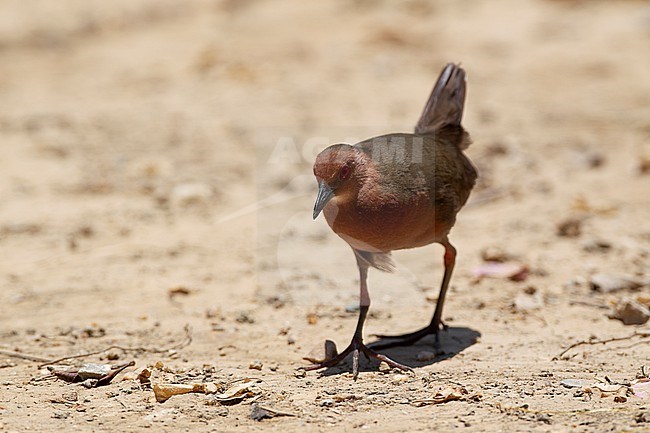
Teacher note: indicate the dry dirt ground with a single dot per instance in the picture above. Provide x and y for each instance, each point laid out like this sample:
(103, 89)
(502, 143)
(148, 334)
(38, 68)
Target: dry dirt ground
(155, 172)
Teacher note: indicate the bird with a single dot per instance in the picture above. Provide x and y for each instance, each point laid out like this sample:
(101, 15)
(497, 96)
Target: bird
(399, 191)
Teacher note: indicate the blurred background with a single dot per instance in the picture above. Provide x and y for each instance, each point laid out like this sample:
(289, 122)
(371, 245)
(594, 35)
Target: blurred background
(152, 145)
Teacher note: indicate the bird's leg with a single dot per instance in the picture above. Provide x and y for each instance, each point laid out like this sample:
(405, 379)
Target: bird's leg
(436, 321)
(450, 262)
(356, 345)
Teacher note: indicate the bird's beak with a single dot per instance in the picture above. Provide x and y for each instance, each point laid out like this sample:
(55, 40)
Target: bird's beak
(325, 194)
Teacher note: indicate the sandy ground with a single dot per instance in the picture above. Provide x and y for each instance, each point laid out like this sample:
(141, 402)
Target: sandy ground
(155, 172)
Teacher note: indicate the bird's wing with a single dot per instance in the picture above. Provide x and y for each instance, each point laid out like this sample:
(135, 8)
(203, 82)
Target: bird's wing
(446, 102)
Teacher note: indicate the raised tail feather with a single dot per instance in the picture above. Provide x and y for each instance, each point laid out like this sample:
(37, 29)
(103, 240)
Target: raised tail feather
(446, 103)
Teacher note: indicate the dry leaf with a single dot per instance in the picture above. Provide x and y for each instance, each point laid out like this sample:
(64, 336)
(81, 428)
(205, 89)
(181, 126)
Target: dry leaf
(92, 375)
(238, 391)
(164, 392)
(93, 371)
(607, 387)
(443, 396)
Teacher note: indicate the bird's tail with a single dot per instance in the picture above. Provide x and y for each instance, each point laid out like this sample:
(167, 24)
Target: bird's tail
(381, 261)
(446, 103)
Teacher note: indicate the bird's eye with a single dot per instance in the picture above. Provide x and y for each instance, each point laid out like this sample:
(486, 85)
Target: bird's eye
(345, 172)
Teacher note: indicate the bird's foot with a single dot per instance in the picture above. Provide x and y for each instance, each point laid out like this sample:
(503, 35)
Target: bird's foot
(356, 346)
(411, 337)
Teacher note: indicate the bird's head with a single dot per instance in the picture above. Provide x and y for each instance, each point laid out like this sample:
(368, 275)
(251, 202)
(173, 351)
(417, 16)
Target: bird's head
(337, 170)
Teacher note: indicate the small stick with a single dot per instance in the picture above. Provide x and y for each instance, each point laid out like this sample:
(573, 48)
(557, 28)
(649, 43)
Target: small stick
(21, 355)
(589, 304)
(594, 342)
(187, 339)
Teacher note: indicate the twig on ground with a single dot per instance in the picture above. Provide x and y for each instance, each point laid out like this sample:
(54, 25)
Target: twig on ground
(22, 355)
(512, 410)
(593, 342)
(187, 339)
(589, 304)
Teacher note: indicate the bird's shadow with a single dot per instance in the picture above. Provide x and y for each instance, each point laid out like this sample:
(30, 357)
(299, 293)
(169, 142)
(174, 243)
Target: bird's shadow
(453, 341)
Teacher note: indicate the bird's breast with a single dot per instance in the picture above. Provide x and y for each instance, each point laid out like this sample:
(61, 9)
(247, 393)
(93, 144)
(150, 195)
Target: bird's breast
(384, 222)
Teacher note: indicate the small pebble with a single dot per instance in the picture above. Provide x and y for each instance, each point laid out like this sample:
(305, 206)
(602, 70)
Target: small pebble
(322, 352)
(190, 193)
(90, 383)
(524, 302)
(631, 313)
(144, 376)
(255, 365)
(643, 166)
(495, 254)
(642, 417)
(606, 283)
(588, 158)
(352, 308)
(543, 417)
(594, 245)
(399, 379)
(70, 396)
(569, 228)
(244, 317)
(425, 355)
